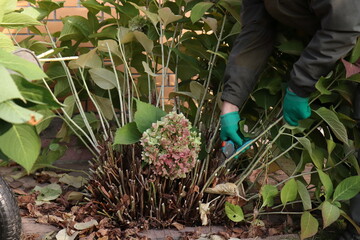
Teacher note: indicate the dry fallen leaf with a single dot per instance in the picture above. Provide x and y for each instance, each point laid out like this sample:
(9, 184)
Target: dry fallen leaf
(74, 196)
(76, 182)
(86, 225)
(224, 189)
(204, 210)
(216, 237)
(178, 226)
(62, 235)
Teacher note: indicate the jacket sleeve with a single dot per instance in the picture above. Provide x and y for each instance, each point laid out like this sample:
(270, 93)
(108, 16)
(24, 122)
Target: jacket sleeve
(250, 52)
(340, 27)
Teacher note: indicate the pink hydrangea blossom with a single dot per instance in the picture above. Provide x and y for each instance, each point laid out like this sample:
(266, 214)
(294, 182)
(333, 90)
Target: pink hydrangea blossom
(170, 146)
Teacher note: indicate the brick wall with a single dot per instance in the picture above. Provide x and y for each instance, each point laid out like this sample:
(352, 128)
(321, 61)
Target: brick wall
(73, 7)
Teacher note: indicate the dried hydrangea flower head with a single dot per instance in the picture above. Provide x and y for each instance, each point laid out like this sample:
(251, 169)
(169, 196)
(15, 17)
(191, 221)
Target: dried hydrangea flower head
(171, 146)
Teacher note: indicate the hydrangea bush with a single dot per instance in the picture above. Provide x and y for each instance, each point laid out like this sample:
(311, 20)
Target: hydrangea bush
(170, 146)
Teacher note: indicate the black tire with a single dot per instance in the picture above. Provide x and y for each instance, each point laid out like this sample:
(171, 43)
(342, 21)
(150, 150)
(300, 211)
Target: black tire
(10, 220)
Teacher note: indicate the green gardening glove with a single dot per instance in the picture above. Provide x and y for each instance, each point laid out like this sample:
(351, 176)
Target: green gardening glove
(295, 108)
(230, 128)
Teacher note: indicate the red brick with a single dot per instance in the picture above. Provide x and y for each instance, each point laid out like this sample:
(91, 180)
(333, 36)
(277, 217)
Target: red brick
(22, 4)
(53, 26)
(63, 12)
(13, 31)
(71, 3)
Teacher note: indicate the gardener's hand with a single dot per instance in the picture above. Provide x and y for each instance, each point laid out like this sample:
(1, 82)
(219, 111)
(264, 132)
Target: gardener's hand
(295, 108)
(230, 128)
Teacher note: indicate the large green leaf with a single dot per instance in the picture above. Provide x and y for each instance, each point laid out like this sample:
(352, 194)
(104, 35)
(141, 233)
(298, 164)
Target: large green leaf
(8, 6)
(105, 106)
(95, 6)
(330, 213)
(69, 103)
(104, 78)
(75, 28)
(28, 69)
(21, 144)
(144, 41)
(147, 114)
(294, 47)
(90, 60)
(334, 123)
(50, 6)
(328, 185)
(320, 86)
(45, 122)
(36, 93)
(347, 189)
(309, 225)
(199, 10)
(289, 191)
(154, 18)
(17, 20)
(355, 53)
(6, 43)
(234, 212)
(304, 195)
(167, 16)
(127, 134)
(13, 113)
(268, 192)
(8, 88)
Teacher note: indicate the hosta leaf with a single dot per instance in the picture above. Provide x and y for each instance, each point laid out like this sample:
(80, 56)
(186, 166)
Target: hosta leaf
(147, 114)
(105, 45)
(334, 123)
(105, 106)
(8, 5)
(148, 69)
(90, 60)
(36, 93)
(167, 16)
(328, 185)
(6, 43)
(330, 213)
(144, 41)
(16, 20)
(347, 188)
(199, 10)
(289, 191)
(13, 113)
(8, 89)
(28, 69)
(95, 6)
(212, 22)
(268, 192)
(127, 134)
(234, 212)
(154, 18)
(320, 86)
(21, 144)
(124, 35)
(104, 78)
(304, 195)
(309, 225)
(198, 90)
(355, 53)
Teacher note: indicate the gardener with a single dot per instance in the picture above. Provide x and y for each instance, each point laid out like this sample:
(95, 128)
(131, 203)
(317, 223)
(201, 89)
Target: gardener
(334, 26)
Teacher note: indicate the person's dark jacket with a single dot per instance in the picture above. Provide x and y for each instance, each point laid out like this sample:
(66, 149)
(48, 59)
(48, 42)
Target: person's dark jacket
(334, 25)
